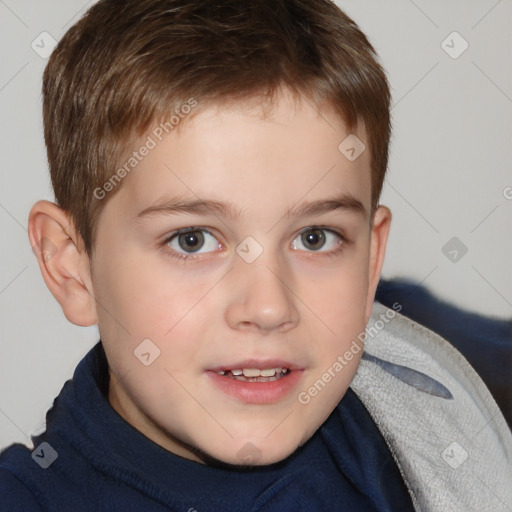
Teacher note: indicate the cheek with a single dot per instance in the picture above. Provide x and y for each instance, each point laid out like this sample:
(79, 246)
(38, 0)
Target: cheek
(337, 294)
(337, 300)
(146, 297)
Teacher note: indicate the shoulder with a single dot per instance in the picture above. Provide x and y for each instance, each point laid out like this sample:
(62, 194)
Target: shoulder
(436, 415)
(412, 359)
(15, 493)
(485, 342)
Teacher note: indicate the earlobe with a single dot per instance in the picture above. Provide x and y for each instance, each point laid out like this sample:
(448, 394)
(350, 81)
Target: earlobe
(63, 263)
(378, 242)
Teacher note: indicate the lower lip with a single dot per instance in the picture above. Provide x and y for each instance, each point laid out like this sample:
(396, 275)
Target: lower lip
(257, 392)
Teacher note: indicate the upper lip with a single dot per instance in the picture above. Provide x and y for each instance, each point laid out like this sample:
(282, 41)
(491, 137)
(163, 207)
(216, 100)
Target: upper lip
(260, 364)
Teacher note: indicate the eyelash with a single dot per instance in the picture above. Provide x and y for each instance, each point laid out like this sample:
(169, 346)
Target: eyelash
(330, 254)
(180, 257)
(184, 258)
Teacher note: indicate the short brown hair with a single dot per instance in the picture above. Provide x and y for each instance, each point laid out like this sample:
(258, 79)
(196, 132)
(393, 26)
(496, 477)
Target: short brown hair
(129, 63)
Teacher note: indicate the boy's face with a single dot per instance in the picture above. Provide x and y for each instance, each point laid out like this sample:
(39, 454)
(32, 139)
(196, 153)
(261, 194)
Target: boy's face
(276, 268)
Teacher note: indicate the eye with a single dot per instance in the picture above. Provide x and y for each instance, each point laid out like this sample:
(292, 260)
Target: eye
(317, 240)
(193, 241)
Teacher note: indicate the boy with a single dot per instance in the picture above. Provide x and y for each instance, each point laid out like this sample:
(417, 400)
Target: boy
(217, 168)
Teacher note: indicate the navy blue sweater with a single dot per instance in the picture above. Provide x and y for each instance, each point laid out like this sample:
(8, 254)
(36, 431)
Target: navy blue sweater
(104, 464)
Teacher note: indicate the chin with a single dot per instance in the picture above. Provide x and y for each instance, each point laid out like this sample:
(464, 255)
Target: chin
(250, 455)
(248, 452)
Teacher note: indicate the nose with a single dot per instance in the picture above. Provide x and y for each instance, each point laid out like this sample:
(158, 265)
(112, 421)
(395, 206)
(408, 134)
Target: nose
(261, 298)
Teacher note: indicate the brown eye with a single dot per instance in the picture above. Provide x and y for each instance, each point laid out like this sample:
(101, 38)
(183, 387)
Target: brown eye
(191, 241)
(313, 239)
(317, 239)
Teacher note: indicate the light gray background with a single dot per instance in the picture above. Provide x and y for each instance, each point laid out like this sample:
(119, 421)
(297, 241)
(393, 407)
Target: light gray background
(449, 175)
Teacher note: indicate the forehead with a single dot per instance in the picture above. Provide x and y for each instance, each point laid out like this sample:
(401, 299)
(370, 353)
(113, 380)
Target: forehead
(236, 152)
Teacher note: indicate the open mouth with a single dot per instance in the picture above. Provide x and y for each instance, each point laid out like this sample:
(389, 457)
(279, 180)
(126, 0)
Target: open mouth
(255, 374)
(256, 381)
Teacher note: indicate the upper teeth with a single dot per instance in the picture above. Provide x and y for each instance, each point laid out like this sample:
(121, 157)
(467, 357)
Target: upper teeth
(254, 372)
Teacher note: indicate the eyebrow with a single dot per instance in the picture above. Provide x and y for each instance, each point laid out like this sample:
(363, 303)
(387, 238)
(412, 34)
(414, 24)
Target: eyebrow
(343, 202)
(199, 207)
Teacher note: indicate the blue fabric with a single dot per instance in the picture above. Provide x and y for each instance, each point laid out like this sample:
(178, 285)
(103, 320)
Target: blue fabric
(485, 342)
(105, 464)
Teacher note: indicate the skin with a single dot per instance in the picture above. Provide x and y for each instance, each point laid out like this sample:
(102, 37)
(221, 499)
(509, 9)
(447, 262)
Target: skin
(295, 303)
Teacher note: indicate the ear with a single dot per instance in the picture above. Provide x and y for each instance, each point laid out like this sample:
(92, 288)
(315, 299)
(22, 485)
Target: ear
(378, 240)
(63, 261)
